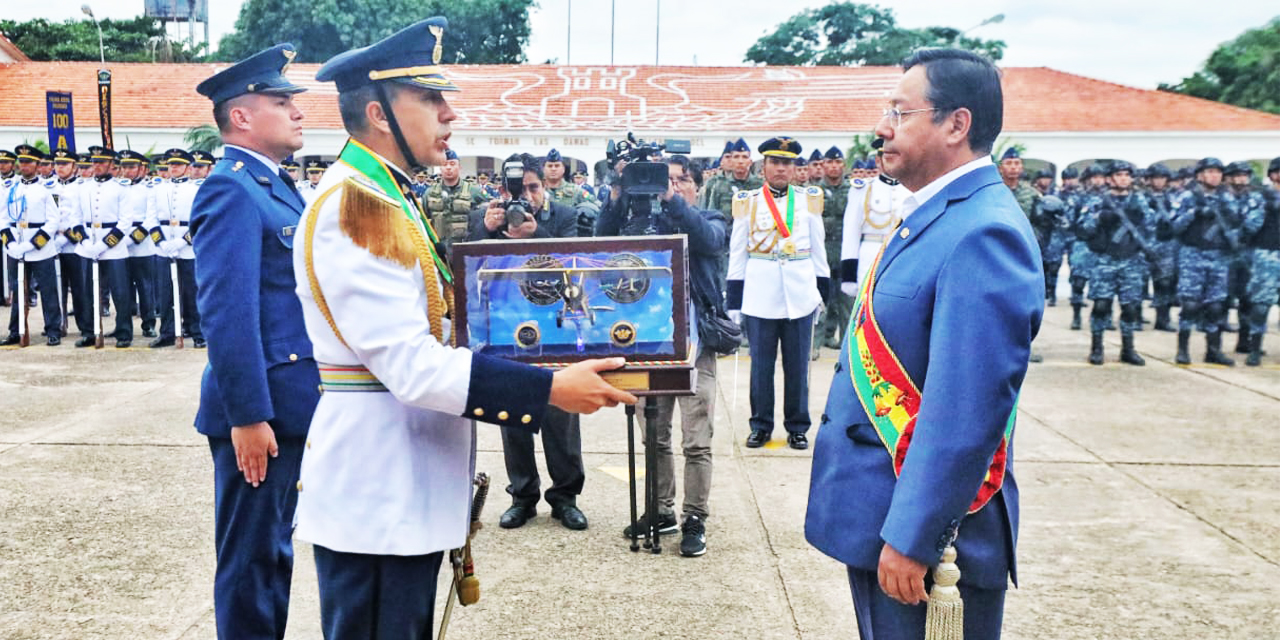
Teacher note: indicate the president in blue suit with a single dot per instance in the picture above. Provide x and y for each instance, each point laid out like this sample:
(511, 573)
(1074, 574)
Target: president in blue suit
(262, 385)
(914, 456)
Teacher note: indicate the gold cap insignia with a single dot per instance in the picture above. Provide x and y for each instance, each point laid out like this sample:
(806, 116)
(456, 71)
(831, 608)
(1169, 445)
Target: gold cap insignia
(289, 54)
(438, 52)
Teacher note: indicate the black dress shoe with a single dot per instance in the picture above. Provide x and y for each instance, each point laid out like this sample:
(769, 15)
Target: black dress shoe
(86, 341)
(148, 333)
(516, 516)
(161, 342)
(797, 441)
(12, 339)
(53, 341)
(124, 344)
(200, 343)
(570, 516)
(757, 439)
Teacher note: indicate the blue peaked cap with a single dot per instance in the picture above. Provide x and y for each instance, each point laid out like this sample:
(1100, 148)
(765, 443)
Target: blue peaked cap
(262, 72)
(741, 145)
(1011, 152)
(554, 156)
(409, 56)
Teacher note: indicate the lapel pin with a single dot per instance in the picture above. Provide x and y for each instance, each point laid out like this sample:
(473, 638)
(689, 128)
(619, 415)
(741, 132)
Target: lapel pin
(904, 233)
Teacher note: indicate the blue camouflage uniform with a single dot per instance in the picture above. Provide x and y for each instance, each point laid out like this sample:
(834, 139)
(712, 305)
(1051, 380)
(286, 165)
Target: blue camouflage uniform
(1119, 268)
(1262, 227)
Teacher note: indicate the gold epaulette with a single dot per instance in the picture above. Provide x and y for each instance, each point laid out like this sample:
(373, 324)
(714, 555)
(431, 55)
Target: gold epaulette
(376, 222)
(815, 200)
(741, 200)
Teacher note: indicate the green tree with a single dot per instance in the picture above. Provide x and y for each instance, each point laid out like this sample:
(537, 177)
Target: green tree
(1244, 72)
(480, 31)
(138, 39)
(859, 149)
(203, 137)
(851, 34)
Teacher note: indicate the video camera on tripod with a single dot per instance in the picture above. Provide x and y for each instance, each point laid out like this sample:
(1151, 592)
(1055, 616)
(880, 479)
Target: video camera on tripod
(641, 179)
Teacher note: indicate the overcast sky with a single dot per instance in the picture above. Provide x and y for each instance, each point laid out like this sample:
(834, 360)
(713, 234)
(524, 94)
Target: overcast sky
(1135, 42)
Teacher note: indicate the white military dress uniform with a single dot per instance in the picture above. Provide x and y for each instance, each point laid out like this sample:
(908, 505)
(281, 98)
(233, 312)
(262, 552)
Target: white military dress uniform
(100, 207)
(389, 461)
(873, 211)
(778, 275)
(138, 198)
(31, 216)
(172, 212)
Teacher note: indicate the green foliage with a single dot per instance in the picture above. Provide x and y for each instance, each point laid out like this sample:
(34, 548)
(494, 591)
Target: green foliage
(851, 34)
(139, 39)
(203, 137)
(38, 143)
(480, 31)
(859, 149)
(1244, 72)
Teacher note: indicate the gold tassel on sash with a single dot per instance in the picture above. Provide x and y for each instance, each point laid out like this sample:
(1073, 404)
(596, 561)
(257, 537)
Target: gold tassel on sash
(944, 619)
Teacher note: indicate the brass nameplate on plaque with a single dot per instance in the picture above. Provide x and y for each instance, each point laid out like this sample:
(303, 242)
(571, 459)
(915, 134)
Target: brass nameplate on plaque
(627, 380)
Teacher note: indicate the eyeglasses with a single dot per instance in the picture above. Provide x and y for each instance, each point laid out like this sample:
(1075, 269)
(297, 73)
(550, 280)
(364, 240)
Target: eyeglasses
(685, 179)
(895, 115)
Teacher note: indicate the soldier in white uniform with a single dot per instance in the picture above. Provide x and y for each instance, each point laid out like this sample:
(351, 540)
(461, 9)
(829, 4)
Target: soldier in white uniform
(778, 277)
(873, 210)
(100, 214)
(386, 475)
(172, 213)
(140, 265)
(309, 188)
(65, 181)
(27, 232)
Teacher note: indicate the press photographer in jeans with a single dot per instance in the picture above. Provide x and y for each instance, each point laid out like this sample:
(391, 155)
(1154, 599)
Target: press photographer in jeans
(561, 434)
(708, 235)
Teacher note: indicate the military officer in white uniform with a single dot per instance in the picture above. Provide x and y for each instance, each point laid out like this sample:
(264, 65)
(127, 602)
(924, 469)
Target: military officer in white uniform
(63, 186)
(386, 475)
(27, 231)
(309, 188)
(778, 277)
(172, 213)
(140, 265)
(99, 213)
(873, 211)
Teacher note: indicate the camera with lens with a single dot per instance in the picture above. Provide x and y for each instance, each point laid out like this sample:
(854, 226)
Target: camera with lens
(641, 180)
(516, 205)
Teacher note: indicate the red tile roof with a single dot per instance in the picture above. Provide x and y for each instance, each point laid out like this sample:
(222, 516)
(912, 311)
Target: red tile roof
(10, 51)
(729, 99)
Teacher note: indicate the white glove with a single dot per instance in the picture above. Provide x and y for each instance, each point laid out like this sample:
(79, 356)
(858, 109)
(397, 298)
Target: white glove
(97, 249)
(172, 246)
(60, 241)
(736, 316)
(18, 249)
(850, 289)
(85, 250)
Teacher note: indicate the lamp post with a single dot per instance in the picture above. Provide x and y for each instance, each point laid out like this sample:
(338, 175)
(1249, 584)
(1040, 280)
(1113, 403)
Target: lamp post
(996, 19)
(104, 84)
(102, 51)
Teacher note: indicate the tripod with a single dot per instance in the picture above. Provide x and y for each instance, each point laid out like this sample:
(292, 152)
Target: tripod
(651, 540)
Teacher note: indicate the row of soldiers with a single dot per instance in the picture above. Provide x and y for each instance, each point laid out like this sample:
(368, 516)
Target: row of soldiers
(1205, 240)
(98, 227)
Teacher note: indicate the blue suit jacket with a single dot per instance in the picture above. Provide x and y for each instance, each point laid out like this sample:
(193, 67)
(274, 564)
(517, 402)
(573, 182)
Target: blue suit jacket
(260, 362)
(959, 299)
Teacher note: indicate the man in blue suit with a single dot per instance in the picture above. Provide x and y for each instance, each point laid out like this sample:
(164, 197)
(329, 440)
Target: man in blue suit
(262, 385)
(957, 296)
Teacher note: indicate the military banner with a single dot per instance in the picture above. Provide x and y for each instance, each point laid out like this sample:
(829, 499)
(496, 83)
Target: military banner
(104, 106)
(62, 125)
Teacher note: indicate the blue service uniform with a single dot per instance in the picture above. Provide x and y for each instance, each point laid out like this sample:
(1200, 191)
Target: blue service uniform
(260, 365)
(959, 297)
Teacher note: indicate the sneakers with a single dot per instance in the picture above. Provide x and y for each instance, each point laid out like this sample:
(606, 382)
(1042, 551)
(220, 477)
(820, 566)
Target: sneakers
(667, 525)
(694, 541)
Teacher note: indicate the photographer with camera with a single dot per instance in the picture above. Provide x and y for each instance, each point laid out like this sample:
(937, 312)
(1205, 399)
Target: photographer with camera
(524, 211)
(633, 214)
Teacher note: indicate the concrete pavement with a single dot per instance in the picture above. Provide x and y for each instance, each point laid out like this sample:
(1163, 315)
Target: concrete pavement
(1150, 510)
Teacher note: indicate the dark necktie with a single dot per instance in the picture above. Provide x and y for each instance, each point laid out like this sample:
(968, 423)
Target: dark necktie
(284, 175)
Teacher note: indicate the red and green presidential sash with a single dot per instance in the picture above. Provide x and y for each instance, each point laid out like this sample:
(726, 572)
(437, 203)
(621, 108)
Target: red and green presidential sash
(889, 396)
(783, 226)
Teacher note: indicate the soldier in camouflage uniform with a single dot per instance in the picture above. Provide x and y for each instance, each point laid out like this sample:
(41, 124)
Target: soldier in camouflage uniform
(1060, 236)
(1262, 226)
(719, 169)
(1081, 259)
(1207, 222)
(1164, 268)
(835, 188)
(815, 160)
(735, 176)
(1248, 200)
(559, 190)
(1117, 225)
(449, 202)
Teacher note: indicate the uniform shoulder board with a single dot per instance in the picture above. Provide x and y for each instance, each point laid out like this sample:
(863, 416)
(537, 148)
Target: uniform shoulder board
(815, 200)
(373, 220)
(51, 183)
(198, 181)
(857, 183)
(741, 200)
(6, 183)
(124, 182)
(154, 181)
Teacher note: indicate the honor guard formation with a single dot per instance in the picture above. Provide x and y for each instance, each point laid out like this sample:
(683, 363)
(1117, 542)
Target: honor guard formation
(322, 291)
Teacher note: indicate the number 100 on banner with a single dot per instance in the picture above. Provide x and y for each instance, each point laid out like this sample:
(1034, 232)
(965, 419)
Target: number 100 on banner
(62, 127)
